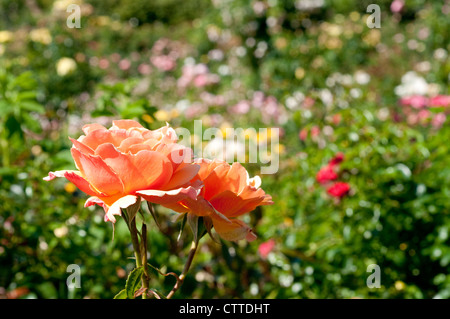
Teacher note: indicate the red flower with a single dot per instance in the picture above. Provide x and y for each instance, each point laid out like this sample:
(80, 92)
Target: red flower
(337, 159)
(339, 189)
(326, 174)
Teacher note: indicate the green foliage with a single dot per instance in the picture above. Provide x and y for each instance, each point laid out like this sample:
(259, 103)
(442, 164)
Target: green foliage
(133, 282)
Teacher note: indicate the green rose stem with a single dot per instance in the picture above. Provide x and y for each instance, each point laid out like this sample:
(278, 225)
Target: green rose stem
(140, 249)
(180, 279)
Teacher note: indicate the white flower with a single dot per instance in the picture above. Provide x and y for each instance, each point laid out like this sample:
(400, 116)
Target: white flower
(65, 66)
(361, 77)
(412, 84)
(326, 97)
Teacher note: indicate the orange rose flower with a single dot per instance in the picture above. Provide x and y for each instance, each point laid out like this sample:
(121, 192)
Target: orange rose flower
(115, 164)
(227, 193)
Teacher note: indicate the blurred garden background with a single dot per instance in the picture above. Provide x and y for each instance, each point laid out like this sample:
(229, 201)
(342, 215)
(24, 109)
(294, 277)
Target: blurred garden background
(366, 107)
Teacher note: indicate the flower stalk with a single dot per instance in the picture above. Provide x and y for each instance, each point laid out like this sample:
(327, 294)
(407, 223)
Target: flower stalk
(182, 276)
(140, 249)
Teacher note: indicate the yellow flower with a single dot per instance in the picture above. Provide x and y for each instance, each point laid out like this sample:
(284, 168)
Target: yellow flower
(174, 113)
(288, 222)
(162, 116)
(334, 30)
(61, 5)
(41, 35)
(5, 36)
(281, 148)
(373, 37)
(103, 20)
(281, 43)
(399, 285)
(147, 118)
(299, 73)
(224, 127)
(70, 188)
(355, 16)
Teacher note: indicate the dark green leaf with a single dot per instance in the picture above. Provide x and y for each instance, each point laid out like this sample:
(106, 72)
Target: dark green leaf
(133, 282)
(121, 295)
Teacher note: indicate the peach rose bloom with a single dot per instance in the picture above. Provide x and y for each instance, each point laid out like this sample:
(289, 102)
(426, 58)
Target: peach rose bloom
(115, 164)
(227, 193)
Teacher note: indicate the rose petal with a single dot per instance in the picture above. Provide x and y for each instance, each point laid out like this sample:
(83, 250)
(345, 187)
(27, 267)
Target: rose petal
(157, 168)
(53, 175)
(184, 174)
(94, 200)
(128, 142)
(82, 147)
(236, 178)
(215, 182)
(97, 172)
(92, 127)
(82, 184)
(99, 137)
(168, 197)
(234, 230)
(115, 209)
(146, 169)
(126, 124)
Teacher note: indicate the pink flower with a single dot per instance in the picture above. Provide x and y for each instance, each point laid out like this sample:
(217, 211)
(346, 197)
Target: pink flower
(315, 131)
(339, 189)
(415, 101)
(423, 115)
(201, 80)
(438, 120)
(115, 57)
(337, 119)
(144, 69)
(211, 99)
(258, 99)
(308, 102)
(397, 6)
(124, 64)
(198, 75)
(163, 62)
(103, 63)
(303, 134)
(242, 107)
(194, 110)
(265, 248)
(412, 119)
(440, 101)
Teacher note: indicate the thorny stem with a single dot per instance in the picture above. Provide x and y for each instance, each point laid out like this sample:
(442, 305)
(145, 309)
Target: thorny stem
(180, 278)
